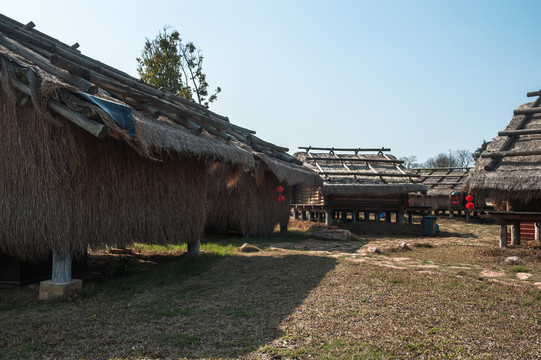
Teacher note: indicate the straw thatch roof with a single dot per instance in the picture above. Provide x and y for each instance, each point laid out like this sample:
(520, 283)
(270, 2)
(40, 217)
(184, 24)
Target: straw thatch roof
(441, 181)
(510, 168)
(360, 174)
(90, 155)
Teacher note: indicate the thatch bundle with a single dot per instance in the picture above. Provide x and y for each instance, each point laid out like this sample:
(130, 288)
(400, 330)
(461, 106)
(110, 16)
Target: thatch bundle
(247, 202)
(514, 182)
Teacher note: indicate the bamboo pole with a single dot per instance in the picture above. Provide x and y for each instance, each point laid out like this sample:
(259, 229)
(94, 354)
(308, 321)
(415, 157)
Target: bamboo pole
(366, 173)
(519, 132)
(341, 159)
(343, 149)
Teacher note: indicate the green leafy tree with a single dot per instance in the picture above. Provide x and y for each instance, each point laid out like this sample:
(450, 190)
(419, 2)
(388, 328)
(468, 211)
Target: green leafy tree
(177, 67)
(477, 153)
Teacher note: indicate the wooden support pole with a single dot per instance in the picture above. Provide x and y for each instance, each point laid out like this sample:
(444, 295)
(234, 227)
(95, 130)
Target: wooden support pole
(515, 234)
(366, 216)
(303, 215)
(387, 216)
(355, 216)
(295, 214)
(503, 235)
(467, 216)
(400, 218)
(328, 218)
(283, 228)
(319, 217)
(537, 231)
(61, 268)
(410, 218)
(193, 247)
(311, 215)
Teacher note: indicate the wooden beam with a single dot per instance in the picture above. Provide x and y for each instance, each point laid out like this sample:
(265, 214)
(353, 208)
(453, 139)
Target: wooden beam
(500, 154)
(534, 93)
(343, 149)
(438, 176)
(366, 173)
(519, 132)
(390, 161)
(441, 168)
(532, 110)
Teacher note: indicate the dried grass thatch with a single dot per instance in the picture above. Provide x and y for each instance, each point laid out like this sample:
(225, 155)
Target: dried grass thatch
(246, 202)
(514, 183)
(65, 188)
(351, 184)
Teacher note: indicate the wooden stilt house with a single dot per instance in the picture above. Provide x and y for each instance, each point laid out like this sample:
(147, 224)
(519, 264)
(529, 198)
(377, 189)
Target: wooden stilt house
(444, 191)
(354, 184)
(94, 157)
(509, 171)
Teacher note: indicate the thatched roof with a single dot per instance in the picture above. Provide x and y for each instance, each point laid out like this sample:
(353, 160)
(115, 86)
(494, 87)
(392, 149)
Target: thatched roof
(368, 174)
(510, 168)
(64, 82)
(441, 181)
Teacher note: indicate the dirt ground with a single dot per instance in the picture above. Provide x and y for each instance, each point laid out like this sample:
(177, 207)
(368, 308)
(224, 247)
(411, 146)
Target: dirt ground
(387, 293)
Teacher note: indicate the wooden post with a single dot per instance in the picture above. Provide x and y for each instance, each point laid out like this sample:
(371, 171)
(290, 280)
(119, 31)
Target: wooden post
(193, 248)
(515, 234)
(311, 216)
(303, 215)
(283, 228)
(246, 234)
(295, 214)
(61, 268)
(400, 218)
(467, 216)
(355, 216)
(410, 218)
(537, 231)
(387, 216)
(366, 216)
(344, 216)
(319, 217)
(503, 235)
(61, 283)
(328, 217)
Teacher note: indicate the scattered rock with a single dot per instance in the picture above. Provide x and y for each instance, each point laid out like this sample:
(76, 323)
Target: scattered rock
(523, 276)
(537, 285)
(513, 260)
(374, 250)
(247, 248)
(404, 246)
(335, 234)
(490, 273)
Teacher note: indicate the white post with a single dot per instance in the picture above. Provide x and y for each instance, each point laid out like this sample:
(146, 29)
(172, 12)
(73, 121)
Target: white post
(400, 218)
(515, 234)
(328, 218)
(536, 226)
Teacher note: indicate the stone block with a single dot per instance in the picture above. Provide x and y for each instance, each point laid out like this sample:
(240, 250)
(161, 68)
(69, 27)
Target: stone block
(50, 290)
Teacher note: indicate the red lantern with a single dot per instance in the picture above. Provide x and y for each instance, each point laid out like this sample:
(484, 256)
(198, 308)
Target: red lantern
(280, 189)
(469, 198)
(281, 198)
(455, 202)
(470, 206)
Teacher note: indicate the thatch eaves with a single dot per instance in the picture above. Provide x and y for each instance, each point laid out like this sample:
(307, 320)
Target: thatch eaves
(163, 122)
(370, 174)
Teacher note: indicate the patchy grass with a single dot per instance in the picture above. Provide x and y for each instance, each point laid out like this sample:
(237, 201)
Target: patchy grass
(291, 304)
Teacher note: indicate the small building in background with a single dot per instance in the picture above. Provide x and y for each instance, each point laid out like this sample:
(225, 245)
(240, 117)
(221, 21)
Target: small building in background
(357, 184)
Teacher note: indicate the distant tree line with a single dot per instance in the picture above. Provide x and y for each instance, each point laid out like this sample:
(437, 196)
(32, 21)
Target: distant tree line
(453, 158)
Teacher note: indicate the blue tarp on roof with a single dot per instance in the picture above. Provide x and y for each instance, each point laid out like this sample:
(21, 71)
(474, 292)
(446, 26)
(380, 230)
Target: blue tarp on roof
(123, 115)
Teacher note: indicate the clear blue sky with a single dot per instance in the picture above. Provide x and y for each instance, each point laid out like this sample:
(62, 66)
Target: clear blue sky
(418, 76)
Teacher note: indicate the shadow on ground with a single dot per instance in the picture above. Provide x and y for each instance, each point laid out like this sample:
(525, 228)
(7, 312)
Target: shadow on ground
(195, 307)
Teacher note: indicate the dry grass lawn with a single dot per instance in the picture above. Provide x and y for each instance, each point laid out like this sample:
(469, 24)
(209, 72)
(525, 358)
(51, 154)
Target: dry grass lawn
(449, 297)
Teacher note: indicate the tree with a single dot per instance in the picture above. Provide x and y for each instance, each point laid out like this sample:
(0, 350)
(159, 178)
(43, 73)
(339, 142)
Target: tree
(463, 158)
(442, 160)
(477, 153)
(169, 63)
(409, 161)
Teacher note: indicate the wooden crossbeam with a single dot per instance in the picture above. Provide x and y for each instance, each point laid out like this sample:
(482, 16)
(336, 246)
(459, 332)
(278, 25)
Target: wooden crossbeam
(442, 176)
(519, 132)
(500, 154)
(532, 110)
(391, 161)
(366, 173)
(308, 148)
(442, 168)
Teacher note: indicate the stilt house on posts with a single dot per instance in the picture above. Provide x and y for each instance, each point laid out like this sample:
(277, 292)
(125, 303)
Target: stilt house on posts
(92, 157)
(509, 172)
(444, 192)
(354, 183)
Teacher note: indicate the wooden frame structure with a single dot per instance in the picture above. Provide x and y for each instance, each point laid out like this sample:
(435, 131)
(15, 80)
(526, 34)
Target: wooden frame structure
(355, 184)
(508, 172)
